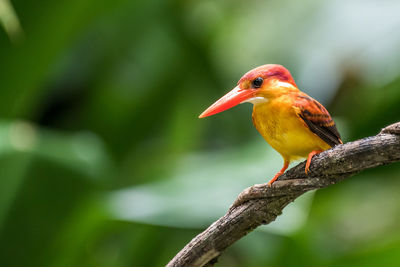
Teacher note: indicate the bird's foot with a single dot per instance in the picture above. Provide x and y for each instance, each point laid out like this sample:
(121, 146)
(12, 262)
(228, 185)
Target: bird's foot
(285, 166)
(269, 184)
(309, 158)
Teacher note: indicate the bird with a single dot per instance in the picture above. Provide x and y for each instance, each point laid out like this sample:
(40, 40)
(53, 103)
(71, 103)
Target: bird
(294, 124)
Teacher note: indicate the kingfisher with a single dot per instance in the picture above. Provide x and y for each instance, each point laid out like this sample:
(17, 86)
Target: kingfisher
(294, 124)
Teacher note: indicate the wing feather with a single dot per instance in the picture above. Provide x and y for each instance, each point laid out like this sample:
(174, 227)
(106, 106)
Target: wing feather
(317, 119)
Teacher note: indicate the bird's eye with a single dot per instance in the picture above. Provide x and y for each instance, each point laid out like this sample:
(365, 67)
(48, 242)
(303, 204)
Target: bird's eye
(257, 82)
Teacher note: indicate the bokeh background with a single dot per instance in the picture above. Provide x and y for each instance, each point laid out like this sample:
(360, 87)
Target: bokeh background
(103, 161)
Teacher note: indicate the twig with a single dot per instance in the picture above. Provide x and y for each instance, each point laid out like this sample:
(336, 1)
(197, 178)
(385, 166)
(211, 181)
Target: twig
(259, 204)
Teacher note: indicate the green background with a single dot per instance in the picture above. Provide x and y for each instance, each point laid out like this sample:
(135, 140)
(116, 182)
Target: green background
(103, 161)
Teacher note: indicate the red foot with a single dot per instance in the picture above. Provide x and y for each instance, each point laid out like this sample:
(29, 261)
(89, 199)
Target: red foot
(312, 153)
(285, 166)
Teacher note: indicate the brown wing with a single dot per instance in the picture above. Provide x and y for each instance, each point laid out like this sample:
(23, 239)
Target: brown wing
(318, 120)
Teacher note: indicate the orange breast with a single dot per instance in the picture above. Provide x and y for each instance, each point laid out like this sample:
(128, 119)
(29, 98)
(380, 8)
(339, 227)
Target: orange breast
(277, 121)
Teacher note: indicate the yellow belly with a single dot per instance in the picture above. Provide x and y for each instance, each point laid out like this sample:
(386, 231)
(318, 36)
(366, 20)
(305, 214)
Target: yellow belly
(285, 131)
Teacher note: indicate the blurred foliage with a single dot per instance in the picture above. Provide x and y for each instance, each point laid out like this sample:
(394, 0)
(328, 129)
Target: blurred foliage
(103, 161)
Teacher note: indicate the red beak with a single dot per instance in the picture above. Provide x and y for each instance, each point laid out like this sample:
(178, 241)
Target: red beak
(231, 99)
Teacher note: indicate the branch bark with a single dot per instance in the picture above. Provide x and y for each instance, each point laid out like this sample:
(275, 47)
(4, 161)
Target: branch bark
(260, 204)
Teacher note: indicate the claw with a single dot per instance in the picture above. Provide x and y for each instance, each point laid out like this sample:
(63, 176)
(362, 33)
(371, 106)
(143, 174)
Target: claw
(309, 158)
(269, 184)
(285, 166)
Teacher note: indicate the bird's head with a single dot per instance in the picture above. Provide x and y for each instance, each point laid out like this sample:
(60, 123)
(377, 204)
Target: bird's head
(256, 86)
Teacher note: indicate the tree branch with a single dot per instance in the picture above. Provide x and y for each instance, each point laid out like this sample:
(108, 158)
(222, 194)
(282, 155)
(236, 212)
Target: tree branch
(260, 204)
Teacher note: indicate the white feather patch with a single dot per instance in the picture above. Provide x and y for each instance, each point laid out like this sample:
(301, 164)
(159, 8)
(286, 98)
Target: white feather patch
(256, 100)
(283, 84)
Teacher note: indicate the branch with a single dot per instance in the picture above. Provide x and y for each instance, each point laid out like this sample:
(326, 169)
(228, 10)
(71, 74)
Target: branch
(259, 204)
